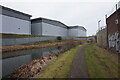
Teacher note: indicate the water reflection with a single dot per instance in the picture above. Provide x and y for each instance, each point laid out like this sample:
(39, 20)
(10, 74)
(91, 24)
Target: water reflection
(13, 60)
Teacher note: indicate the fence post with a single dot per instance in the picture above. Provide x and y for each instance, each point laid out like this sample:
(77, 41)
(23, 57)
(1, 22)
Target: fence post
(107, 31)
(117, 22)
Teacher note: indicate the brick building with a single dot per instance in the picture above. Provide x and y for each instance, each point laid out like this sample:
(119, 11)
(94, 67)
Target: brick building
(113, 30)
(113, 22)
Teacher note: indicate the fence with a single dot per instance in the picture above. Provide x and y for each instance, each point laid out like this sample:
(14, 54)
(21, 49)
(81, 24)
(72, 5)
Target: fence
(109, 37)
(116, 7)
(102, 21)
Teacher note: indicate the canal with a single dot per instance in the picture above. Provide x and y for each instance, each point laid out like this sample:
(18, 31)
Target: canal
(12, 60)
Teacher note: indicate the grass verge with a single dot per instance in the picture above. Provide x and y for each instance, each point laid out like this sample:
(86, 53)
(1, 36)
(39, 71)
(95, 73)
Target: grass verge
(5, 35)
(61, 67)
(101, 63)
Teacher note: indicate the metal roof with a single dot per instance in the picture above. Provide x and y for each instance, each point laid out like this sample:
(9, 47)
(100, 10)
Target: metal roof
(14, 13)
(54, 22)
(71, 27)
(9, 9)
(49, 21)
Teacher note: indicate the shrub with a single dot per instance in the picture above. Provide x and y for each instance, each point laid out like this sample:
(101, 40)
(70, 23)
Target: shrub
(59, 38)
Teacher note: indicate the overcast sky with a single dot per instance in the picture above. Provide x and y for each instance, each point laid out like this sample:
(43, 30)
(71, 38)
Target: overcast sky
(85, 13)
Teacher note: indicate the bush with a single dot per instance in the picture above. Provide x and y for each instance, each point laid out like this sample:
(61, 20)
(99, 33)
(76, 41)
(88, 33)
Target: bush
(59, 38)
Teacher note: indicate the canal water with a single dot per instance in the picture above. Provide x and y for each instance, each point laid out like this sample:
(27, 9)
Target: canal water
(12, 60)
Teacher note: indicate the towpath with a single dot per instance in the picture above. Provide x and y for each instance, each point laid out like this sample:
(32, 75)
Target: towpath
(79, 68)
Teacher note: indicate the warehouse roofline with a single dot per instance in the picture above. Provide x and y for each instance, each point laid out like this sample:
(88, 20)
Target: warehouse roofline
(54, 22)
(14, 13)
(3, 7)
(49, 21)
(71, 27)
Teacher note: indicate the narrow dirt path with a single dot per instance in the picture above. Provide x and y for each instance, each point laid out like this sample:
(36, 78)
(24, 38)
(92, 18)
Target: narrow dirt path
(79, 68)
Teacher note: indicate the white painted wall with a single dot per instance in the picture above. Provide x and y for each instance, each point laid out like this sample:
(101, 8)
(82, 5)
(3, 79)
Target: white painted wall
(81, 33)
(52, 30)
(77, 32)
(15, 25)
(36, 28)
(73, 32)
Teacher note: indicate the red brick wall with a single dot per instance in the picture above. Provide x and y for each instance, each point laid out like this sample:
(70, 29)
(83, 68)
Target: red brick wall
(114, 31)
(119, 20)
(111, 23)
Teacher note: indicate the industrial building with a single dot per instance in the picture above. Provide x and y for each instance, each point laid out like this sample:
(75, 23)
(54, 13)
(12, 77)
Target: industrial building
(113, 22)
(76, 31)
(42, 26)
(14, 22)
(109, 37)
(113, 29)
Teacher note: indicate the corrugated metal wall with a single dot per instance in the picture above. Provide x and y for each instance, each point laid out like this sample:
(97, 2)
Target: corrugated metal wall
(52, 30)
(36, 28)
(15, 25)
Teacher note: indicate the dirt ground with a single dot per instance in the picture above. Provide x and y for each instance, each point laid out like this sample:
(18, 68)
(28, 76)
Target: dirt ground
(79, 69)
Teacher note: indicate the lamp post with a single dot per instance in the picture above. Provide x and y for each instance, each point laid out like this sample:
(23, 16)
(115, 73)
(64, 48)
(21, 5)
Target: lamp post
(99, 24)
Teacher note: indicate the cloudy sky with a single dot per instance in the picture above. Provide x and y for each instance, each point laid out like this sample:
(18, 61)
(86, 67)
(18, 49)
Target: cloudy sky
(85, 13)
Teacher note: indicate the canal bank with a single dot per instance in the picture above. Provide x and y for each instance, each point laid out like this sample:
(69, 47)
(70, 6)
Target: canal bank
(44, 44)
(61, 67)
(30, 56)
(12, 60)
